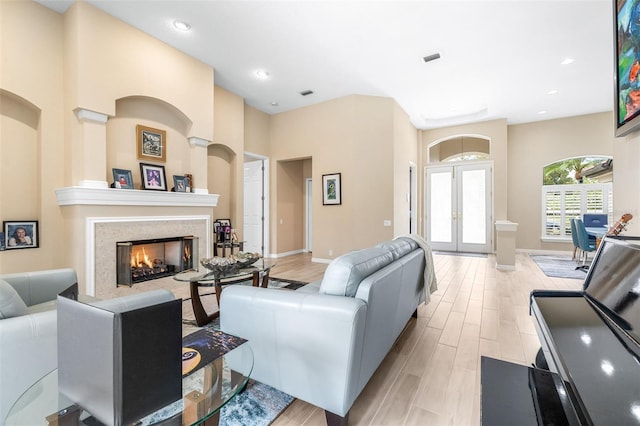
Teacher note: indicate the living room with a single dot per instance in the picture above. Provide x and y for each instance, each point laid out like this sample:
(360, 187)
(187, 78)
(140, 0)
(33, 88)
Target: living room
(75, 86)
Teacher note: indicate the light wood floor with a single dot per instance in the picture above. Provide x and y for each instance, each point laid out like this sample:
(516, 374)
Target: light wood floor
(432, 374)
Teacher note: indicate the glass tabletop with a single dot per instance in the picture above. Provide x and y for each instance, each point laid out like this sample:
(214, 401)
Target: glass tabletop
(204, 274)
(204, 392)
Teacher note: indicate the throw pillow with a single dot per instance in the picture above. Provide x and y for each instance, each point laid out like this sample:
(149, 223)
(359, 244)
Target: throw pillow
(11, 304)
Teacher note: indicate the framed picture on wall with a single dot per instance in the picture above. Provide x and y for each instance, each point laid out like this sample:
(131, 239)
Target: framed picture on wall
(152, 143)
(122, 179)
(20, 234)
(153, 177)
(331, 189)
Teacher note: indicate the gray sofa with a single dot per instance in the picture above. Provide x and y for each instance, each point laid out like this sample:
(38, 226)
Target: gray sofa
(28, 326)
(323, 342)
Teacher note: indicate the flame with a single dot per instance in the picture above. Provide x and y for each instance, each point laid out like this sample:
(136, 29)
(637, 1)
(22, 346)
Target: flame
(187, 253)
(137, 262)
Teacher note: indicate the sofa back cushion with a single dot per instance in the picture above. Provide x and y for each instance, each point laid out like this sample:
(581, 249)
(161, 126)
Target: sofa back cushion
(11, 304)
(344, 273)
(399, 247)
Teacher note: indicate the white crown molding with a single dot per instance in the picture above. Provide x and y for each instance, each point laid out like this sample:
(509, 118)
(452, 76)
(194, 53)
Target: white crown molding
(88, 115)
(76, 195)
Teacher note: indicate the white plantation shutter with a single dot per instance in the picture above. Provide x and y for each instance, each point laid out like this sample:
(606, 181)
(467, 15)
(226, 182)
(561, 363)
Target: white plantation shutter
(561, 203)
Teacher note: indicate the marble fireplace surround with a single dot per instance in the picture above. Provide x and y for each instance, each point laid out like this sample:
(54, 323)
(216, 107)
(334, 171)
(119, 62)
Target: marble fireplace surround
(102, 233)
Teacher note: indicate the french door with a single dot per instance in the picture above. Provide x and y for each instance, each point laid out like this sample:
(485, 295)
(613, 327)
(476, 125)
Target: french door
(458, 207)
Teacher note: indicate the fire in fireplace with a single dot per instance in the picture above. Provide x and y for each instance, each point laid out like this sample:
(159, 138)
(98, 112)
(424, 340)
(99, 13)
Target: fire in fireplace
(144, 260)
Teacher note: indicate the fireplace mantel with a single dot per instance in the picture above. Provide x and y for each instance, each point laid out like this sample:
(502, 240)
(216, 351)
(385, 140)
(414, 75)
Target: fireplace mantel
(77, 195)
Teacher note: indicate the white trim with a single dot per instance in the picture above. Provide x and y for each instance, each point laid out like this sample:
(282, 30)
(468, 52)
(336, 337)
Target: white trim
(88, 115)
(320, 260)
(76, 195)
(285, 254)
(194, 141)
(90, 239)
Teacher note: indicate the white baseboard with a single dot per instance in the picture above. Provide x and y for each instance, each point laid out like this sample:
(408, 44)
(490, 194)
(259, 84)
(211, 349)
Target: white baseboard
(320, 260)
(285, 254)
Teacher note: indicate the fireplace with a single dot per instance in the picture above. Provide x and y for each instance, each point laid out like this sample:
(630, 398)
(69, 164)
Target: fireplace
(144, 260)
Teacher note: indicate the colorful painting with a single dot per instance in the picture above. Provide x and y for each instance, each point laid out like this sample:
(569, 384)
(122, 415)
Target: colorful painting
(627, 51)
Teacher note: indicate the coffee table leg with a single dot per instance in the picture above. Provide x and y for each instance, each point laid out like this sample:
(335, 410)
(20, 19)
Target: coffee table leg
(265, 279)
(202, 318)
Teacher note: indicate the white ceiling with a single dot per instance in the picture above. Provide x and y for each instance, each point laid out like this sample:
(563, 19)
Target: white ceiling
(499, 59)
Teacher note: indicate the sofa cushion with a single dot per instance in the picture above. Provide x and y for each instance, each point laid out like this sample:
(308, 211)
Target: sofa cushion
(344, 273)
(399, 247)
(11, 304)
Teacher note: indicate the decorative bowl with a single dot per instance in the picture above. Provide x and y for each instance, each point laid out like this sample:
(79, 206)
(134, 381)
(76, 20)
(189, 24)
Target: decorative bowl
(220, 265)
(245, 258)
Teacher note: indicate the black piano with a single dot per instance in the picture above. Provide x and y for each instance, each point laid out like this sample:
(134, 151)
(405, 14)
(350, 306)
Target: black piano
(588, 370)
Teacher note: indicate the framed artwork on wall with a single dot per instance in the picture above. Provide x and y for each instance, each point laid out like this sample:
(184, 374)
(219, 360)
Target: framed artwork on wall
(21, 234)
(152, 144)
(331, 189)
(153, 177)
(122, 179)
(627, 62)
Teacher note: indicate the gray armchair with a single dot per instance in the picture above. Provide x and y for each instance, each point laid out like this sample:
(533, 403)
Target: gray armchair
(28, 326)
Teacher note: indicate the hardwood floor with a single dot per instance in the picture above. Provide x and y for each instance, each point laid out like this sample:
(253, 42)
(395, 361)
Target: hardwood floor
(432, 374)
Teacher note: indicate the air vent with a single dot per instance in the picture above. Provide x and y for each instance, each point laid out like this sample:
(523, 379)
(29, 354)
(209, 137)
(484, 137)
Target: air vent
(306, 92)
(431, 57)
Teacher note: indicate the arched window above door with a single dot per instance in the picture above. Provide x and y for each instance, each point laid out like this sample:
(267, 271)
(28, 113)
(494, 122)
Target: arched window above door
(460, 148)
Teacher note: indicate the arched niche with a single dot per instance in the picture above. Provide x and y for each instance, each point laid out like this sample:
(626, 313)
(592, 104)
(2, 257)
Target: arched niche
(460, 148)
(151, 112)
(221, 172)
(20, 151)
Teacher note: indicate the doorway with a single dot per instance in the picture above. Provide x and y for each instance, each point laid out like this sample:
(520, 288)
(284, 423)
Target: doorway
(309, 215)
(458, 207)
(256, 204)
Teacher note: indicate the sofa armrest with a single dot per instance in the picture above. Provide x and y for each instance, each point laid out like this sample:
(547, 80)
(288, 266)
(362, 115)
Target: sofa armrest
(307, 345)
(41, 286)
(28, 351)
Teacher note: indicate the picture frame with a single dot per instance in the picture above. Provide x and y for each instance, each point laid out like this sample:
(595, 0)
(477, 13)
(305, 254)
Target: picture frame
(626, 57)
(332, 189)
(151, 144)
(122, 178)
(153, 177)
(180, 183)
(20, 234)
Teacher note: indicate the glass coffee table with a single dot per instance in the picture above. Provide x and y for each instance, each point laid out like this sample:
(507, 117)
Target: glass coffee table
(204, 392)
(206, 278)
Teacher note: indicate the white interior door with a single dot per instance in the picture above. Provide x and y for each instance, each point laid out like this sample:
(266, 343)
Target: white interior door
(309, 204)
(458, 211)
(253, 207)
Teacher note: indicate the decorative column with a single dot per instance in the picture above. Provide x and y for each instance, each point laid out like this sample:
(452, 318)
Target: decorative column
(506, 253)
(90, 165)
(198, 159)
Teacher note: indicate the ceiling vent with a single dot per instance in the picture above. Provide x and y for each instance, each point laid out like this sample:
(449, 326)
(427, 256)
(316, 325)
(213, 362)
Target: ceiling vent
(598, 169)
(306, 92)
(431, 57)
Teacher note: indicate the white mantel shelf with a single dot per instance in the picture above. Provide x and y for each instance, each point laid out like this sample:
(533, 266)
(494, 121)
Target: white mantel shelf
(77, 195)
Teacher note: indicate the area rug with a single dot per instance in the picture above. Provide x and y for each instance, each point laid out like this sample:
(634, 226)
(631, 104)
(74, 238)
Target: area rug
(558, 266)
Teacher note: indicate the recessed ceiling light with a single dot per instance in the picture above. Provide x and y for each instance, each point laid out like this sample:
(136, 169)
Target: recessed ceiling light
(566, 61)
(181, 25)
(262, 74)
(543, 112)
(552, 92)
(275, 104)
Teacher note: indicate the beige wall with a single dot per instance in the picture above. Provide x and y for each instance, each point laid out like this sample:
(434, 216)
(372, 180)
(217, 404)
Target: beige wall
(405, 154)
(353, 136)
(32, 149)
(257, 126)
(535, 145)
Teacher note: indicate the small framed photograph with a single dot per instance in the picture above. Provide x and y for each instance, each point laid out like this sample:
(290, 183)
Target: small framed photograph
(153, 177)
(180, 183)
(122, 179)
(331, 189)
(189, 177)
(20, 234)
(152, 143)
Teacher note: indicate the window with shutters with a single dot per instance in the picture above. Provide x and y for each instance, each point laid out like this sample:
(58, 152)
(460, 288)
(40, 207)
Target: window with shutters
(561, 203)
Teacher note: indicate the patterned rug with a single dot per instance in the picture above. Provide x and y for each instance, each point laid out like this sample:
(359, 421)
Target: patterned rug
(558, 266)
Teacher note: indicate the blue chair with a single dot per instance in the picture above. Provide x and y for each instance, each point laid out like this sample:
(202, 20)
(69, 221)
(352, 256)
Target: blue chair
(595, 220)
(574, 237)
(584, 243)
